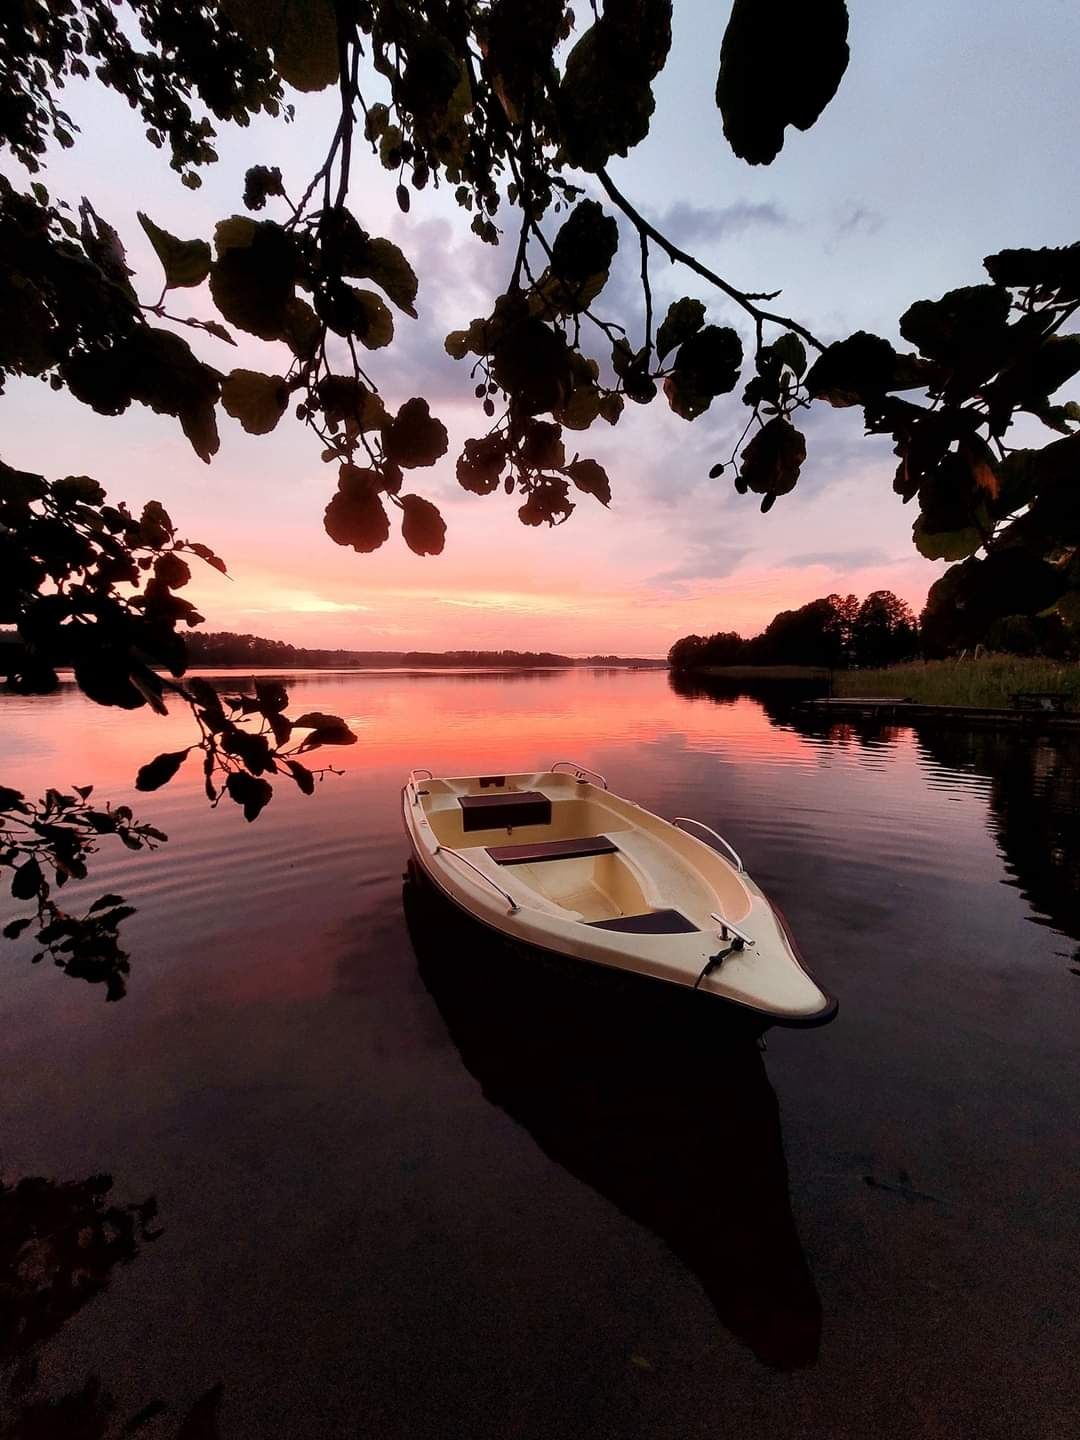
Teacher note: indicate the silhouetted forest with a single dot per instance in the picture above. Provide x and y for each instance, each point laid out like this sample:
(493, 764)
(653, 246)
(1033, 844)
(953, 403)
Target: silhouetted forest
(222, 647)
(833, 632)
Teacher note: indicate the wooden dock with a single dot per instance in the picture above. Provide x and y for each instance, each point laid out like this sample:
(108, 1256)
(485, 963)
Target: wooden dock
(910, 712)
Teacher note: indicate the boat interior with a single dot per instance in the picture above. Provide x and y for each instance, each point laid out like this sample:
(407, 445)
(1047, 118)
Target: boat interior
(559, 844)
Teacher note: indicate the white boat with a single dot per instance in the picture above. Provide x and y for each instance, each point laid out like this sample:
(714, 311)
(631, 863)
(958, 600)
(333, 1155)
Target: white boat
(554, 860)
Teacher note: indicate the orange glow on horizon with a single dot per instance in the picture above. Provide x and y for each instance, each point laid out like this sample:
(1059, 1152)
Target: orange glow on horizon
(333, 611)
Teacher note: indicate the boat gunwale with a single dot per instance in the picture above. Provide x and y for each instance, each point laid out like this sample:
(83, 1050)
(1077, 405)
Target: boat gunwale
(789, 1022)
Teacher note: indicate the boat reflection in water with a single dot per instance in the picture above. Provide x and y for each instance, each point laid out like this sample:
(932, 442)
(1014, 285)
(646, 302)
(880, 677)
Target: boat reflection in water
(657, 1107)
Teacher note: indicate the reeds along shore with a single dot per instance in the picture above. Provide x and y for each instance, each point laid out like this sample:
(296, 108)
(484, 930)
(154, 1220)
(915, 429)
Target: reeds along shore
(990, 680)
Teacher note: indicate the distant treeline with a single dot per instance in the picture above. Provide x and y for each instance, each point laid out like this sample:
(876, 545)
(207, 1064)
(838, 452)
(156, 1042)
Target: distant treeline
(840, 631)
(222, 647)
(833, 632)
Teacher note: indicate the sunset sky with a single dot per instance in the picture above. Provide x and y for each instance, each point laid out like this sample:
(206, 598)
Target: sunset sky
(952, 135)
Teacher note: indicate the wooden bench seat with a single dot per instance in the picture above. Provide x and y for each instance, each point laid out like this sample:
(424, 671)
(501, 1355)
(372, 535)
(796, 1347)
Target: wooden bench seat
(552, 850)
(499, 812)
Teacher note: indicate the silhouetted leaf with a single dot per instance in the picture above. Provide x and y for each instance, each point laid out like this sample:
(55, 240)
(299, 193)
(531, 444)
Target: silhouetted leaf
(850, 370)
(165, 375)
(105, 676)
(316, 720)
(205, 553)
(358, 520)
(590, 476)
(982, 463)
(301, 329)
(344, 399)
(218, 331)
(27, 880)
(171, 571)
(480, 465)
(250, 792)
(253, 278)
(76, 490)
(791, 351)
(160, 770)
(1057, 271)
(684, 318)
(422, 526)
(185, 262)
(548, 504)
(257, 401)
(541, 446)
(605, 98)
(706, 365)
(384, 263)
(104, 902)
(372, 323)
(531, 362)
(260, 182)
(964, 325)
(332, 731)
(14, 928)
(272, 696)
(770, 462)
(585, 244)
(415, 437)
(780, 64)
(301, 33)
(582, 408)
(945, 544)
(302, 775)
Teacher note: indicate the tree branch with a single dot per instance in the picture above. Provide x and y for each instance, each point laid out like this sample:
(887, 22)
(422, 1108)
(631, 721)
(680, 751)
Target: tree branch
(673, 252)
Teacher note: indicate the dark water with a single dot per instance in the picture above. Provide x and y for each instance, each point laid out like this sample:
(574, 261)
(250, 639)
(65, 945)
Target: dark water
(402, 1192)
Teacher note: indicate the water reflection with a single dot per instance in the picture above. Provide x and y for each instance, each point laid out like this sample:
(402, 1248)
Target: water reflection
(777, 697)
(1034, 811)
(59, 1244)
(662, 1113)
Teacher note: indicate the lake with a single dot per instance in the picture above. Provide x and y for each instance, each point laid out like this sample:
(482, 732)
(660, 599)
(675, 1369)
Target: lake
(403, 1193)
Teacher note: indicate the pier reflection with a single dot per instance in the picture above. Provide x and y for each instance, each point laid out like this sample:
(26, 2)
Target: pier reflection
(656, 1107)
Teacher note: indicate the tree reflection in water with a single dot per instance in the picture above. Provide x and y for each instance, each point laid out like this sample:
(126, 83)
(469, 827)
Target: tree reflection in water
(1034, 811)
(778, 697)
(1034, 796)
(59, 1244)
(657, 1106)
(1033, 801)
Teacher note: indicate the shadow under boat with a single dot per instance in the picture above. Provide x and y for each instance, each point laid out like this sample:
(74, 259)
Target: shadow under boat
(663, 1111)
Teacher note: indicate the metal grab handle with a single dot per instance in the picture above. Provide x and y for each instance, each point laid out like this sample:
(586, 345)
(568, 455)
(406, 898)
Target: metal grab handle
(579, 770)
(420, 772)
(689, 820)
(446, 850)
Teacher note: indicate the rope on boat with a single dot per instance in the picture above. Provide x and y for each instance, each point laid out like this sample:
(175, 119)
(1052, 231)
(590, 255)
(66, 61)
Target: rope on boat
(715, 961)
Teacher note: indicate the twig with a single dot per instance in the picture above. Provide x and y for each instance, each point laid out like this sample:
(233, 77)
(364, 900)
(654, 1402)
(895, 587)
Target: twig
(645, 286)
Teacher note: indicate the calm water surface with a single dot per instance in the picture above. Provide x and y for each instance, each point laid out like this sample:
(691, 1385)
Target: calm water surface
(405, 1193)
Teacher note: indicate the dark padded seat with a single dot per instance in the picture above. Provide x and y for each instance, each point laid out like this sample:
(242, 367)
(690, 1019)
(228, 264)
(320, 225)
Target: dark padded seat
(552, 850)
(498, 812)
(653, 922)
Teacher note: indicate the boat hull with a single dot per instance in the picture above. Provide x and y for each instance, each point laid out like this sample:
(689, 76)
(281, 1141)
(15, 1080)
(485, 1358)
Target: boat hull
(664, 964)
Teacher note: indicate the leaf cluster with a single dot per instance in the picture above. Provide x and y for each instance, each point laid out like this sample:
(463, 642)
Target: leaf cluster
(186, 51)
(90, 586)
(46, 843)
